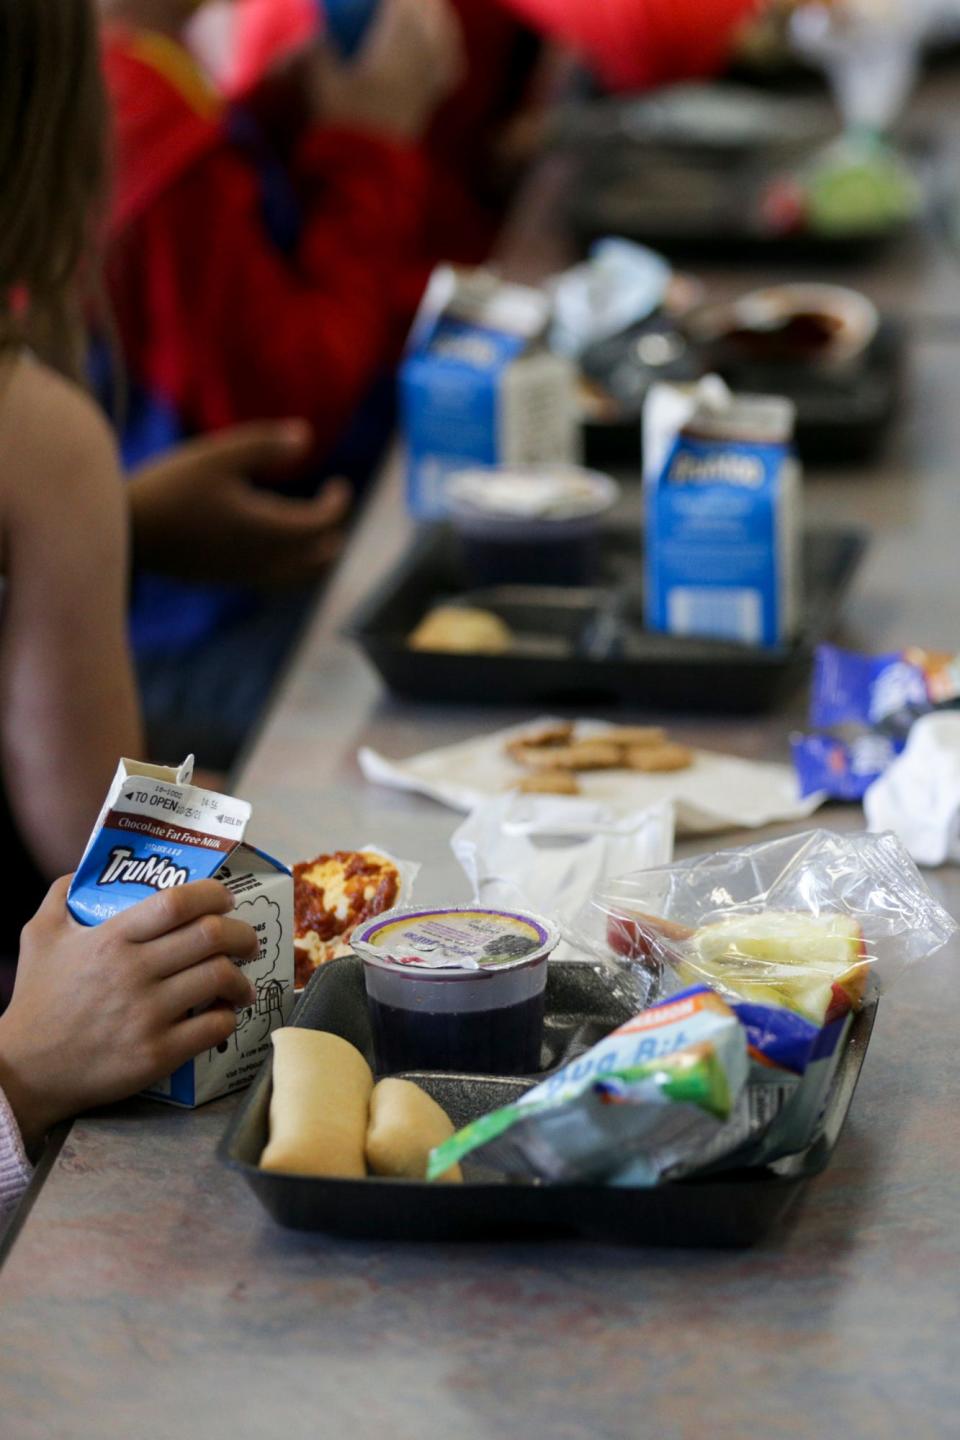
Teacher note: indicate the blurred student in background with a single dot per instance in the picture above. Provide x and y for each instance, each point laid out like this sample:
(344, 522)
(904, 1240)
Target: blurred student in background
(68, 699)
(639, 44)
(229, 311)
(96, 1013)
(247, 285)
(461, 145)
(268, 259)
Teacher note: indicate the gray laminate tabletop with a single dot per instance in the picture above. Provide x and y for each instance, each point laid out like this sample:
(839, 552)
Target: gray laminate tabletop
(147, 1295)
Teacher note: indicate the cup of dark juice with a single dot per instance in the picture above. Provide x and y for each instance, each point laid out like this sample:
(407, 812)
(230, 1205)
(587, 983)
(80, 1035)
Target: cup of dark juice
(458, 988)
(532, 524)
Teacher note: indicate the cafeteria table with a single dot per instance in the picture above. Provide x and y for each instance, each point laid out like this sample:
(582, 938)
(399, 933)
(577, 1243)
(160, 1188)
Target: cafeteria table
(145, 1294)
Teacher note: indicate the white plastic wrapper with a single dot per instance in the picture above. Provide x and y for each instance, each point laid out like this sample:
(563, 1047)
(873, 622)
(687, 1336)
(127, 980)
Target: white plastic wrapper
(620, 285)
(815, 923)
(870, 49)
(918, 796)
(550, 853)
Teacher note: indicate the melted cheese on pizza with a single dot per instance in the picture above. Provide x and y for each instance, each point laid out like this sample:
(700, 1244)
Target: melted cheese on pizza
(332, 895)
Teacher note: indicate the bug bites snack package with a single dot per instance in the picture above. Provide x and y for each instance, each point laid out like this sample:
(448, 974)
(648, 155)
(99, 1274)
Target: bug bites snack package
(157, 830)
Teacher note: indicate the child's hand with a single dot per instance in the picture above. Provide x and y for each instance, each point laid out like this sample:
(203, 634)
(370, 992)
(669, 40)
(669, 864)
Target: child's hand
(411, 59)
(98, 1013)
(197, 516)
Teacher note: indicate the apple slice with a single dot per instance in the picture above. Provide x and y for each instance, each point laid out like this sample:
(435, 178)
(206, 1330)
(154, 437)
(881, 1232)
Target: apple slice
(813, 964)
(634, 935)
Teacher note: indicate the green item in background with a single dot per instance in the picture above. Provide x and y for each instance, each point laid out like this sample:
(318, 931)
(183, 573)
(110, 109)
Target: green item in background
(859, 184)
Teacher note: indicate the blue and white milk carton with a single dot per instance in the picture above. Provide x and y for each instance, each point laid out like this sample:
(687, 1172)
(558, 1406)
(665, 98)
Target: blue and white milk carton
(157, 830)
(480, 387)
(722, 502)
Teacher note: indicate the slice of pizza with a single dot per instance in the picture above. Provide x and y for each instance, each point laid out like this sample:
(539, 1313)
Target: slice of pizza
(332, 895)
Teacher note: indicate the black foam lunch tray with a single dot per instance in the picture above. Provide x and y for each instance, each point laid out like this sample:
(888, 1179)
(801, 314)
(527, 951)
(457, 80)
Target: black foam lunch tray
(697, 206)
(733, 1208)
(588, 645)
(842, 417)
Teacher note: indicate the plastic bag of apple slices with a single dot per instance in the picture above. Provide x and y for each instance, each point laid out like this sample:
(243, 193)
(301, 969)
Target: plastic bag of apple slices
(796, 934)
(814, 923)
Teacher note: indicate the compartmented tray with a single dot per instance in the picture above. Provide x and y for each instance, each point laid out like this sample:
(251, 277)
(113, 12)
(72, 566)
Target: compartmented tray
(699, 206)
(841, 418)
(734, 1208)
(689, 170)
(588, 645)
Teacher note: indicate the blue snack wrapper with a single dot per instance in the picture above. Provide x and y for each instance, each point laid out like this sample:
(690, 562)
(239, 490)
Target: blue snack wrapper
(883, 695)
(886, 692)
(844, 770)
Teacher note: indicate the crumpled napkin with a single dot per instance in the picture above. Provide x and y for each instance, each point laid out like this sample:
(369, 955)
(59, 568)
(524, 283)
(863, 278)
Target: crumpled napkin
(718, 792)
(549, 853)
(918, 796)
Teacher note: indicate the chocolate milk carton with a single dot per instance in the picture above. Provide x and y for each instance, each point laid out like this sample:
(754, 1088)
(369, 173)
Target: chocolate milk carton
(722, 498)
(157, 830)
(479, 387)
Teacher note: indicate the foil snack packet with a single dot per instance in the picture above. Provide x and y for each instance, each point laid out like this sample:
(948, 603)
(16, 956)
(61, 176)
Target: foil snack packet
(797, 935)
(867, 705)
(650, 1098)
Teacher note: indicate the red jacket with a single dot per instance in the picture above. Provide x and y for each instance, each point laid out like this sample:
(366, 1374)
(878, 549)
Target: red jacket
(636, 44)
(632, 44)
(461, 219)
(215, 322)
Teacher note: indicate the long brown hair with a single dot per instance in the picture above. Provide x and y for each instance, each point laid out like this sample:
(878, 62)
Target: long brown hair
(53, 126)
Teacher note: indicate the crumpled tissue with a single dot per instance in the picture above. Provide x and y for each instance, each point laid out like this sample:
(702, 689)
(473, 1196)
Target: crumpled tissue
(918, 796)
(549, 853)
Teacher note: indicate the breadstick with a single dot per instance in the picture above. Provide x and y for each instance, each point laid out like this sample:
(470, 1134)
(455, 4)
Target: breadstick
(318, 1111)
(405, 1125)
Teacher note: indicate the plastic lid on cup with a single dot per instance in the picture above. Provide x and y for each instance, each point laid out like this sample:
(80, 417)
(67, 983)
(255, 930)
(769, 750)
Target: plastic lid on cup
(455, 940)
(531, 492)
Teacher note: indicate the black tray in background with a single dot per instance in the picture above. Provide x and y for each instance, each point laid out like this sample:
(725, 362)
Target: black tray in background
(714, 228)
(562, 656)
(735, 1208)
(842, 419)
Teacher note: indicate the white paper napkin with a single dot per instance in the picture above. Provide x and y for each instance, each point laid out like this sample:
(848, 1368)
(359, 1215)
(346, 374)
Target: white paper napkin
(718, 792)
(918, 797)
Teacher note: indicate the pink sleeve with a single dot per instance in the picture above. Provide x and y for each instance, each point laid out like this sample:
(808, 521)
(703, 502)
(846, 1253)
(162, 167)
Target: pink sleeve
(15, 1168)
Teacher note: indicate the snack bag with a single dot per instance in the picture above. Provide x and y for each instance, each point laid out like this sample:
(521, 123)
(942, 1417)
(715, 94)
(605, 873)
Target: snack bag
(842, 769)
(653, 1095)
(156, 831)
(869, 703)
(816, 923)
(796, 935)
(882, 692)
